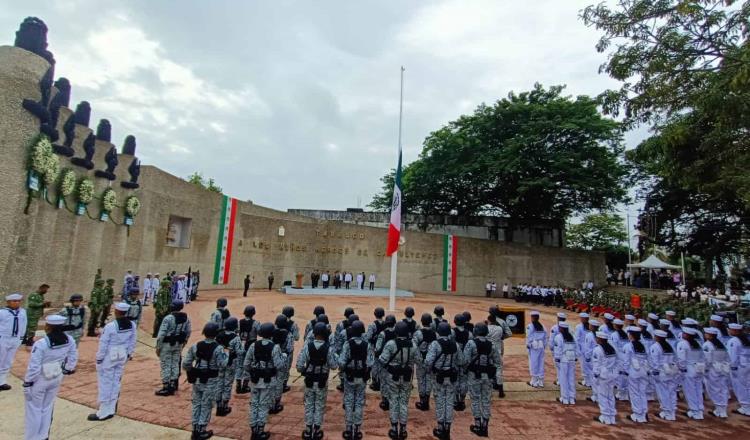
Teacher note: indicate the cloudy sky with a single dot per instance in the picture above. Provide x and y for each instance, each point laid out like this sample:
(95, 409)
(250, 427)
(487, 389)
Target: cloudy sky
(295, 104)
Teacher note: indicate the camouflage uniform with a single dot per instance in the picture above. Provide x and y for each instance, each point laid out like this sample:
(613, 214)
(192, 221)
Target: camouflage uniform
(162, 304)
(174, 333)
(284, 340)
(135, 311)
(34, 312)
(444, 358)
(422, 340)
(206, 388)
(383, 338)
(481, 361)
(248, 332)
(355, 371)
(398, 358)
(108, 298)
(74, 325)
(462, 336)
(232, 341)
(315, 361)
(262, 366)
(218, 317)
(371, 336)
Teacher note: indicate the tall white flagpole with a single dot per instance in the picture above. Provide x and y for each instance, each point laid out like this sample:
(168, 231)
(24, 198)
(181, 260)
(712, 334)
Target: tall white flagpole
(394, 257)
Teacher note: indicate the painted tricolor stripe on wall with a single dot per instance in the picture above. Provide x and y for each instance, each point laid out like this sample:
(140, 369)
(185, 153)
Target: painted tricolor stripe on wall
(223, 262)
(450, 252)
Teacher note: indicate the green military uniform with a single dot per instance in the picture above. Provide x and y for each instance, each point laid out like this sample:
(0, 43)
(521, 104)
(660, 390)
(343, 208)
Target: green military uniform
(162, 304)
(96, 306)
(34, 312)
(108, 298)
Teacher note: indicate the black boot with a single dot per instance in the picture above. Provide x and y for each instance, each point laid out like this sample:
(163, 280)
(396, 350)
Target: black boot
(439, 432)
(317, 432)
(357, 434)
(204, 434)
(307, 434)
(262, 434)
(285, 388)
(459, 405)
(175, 384)
(476, 428)
(393, 432)
(166, 389)
(220, 409)
(246, 386)
(485, 427)
(277, 407)
(375, 385)
(227, 408)
(424, 402)
(196, 433)
(501, 391)
(238, 387)
(384, 405)
(402, 434)
(447, 431)
(347, 434)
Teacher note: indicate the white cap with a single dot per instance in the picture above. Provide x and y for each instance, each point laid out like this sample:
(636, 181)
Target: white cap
(660, 333)
(123, 307)
(14, 297)
(602, 335)
(664, 322)
(583, 315)
(642, 322)
(594, 322)
(55, 320)
(633, 329)
(670, 313)
(711, 330)
(653, 316)
(609, 316)
(735, 326)
(689, 321)
(561, 315)
(690, 331)
(534, 313)
(563, 325)
(717, 318)
(618, 321)
(149, 274)
(157, 274)
(630, 317)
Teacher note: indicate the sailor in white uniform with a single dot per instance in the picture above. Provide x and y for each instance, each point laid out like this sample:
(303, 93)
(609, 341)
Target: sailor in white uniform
(536, 342)
(739, 364)
(717, 371)
(12, 329)
(116, 346)
(52, 357)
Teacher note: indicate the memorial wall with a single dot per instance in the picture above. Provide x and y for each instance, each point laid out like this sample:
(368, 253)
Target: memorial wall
(48, 235)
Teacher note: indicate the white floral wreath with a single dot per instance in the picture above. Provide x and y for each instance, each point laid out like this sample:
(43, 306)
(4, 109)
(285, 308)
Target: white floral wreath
(67, 182)
(85, 190)
(132, 206)
(109, 200)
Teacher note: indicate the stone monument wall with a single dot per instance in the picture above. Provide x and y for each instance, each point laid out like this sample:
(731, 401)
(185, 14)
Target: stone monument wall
(178, 227)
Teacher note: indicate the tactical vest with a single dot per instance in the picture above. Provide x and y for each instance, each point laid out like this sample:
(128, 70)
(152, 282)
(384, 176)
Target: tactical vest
(462, 336)
(224, 316)
(179, 334)
(356, 368)
(316, 370)
(280, 336)
(379, 327)
(225, 339)
(71, 314)
(448, 348)
(411, 325)
(204, 352)
(246, 332)
(389, 334)
(262, 355)
(481, 362)
(403, 371)
(428, 336)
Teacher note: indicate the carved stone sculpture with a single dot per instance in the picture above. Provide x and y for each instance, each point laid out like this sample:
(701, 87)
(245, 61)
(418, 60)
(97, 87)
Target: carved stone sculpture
(32, 36)
(63, 93)
(61, 99)
(83, 113)
(111, 160)
(69, 128)
(129, 146)
(39, 108)
(89, 150)
(135, 170)
(104, 130)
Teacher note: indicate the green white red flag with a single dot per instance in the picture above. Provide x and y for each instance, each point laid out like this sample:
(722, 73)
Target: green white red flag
(223, 262)
(394, 229)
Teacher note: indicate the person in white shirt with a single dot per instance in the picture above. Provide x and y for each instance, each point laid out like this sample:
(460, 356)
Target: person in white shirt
(564, 351)
(372, 281)
(146, 289)
(12, 330)
(493, 288)
(536, 342)
(692, 363)
(360, 281)
(739, 364)
(487, 289)
(506, 289)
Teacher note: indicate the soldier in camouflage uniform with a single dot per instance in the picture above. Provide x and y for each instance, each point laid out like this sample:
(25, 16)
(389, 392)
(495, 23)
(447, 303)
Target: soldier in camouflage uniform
(107, 299)
(263, 361)
(398, 358)
(162, 304)
(461, 334)
(221, 313)
(315, 361)
(202, 364)
(248, 333)
(422, 340)
(293, 328)
(355, 362)
(135, 312)
(339, 337)
(96, 304)
(230, 340)
(76, 316)
(174, 333)
(373, 331)
(444, 358)
(283, 339)
(35, 305)
(481, 361)
(388, 334)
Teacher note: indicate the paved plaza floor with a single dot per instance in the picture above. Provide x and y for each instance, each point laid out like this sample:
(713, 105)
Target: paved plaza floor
(525, 413)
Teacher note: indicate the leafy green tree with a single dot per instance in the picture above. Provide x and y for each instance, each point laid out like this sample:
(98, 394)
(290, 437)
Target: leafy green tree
(597, 232)
(209, 184)
(533, 155)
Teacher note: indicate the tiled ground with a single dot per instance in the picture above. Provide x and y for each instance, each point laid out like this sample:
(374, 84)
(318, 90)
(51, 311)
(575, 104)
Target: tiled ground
(525, 413)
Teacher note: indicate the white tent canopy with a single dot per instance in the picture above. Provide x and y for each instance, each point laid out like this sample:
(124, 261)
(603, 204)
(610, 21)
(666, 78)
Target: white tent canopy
(653, 262)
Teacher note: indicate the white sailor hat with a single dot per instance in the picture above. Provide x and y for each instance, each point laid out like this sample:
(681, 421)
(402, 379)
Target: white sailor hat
(534, 313)
(711, 331)
(14, 297)
(634, 329)
(149, 274)
(602, 335)
(609, 316)
(630, 317)
(642, 322)
(670, 313)
(690, 331)
(561, 315)
(157, 274)
(55, 320)
(660, 333)
(664, 322)
(583, 315)
(717, 318)
(563, 325)
(689, 321)
(653, 316)
(618, 321)
(123, 307)
(735, 326)
(595, 323)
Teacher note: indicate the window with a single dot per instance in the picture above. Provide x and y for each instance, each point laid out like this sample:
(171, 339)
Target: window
(178, 231)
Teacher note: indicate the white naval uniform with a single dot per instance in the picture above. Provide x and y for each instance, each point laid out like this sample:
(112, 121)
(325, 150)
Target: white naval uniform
(12, 329)
(739, 358)
(606, 371)
(717, 377)
(618, 342)
(45, 372)
(635, 363)
(565, 359)
(116, 345)
(148, 292)
(587, 351)
(536, 342)
(181, 291)
(666, 378)
(580, 335)
(692, 363)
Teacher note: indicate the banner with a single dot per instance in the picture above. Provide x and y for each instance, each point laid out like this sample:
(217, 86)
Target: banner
(450, 264)
(515, 317)
(223, 261)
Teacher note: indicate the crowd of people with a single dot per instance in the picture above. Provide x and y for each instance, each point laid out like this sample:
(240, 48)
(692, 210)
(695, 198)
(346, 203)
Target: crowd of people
(707, 294)
(643, 360)
(341, 280)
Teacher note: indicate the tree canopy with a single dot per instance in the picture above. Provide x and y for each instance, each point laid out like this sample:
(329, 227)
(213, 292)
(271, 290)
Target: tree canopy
(598, 231)
(197, 179)
(533, 155)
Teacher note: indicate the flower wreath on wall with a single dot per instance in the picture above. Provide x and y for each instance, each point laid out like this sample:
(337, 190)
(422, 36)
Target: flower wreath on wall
(132, 206)
(85, 194)
(109, 203)
(65, 186)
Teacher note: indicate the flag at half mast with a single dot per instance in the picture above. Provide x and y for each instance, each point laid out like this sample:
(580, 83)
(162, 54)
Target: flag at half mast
(394, 229)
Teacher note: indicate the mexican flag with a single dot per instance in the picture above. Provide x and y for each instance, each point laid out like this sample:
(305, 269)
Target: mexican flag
(450, 262)
(394, 229)
(225, 240)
